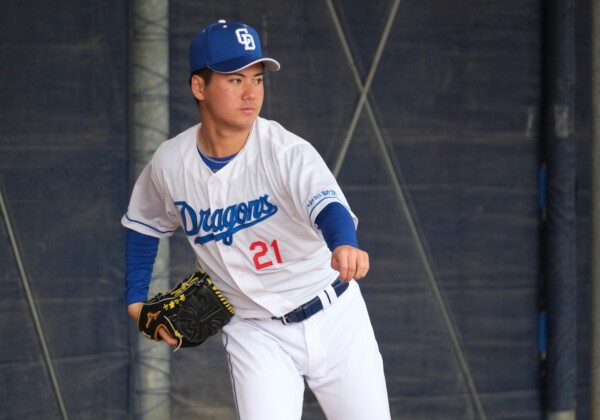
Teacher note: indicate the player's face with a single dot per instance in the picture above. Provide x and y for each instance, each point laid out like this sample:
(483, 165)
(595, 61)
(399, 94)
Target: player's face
(234, 100)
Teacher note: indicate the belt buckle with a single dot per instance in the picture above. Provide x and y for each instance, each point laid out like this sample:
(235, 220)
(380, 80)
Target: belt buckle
(285, 320)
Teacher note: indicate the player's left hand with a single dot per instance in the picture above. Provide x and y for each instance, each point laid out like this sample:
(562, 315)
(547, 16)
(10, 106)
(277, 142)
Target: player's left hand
(352, 263)
(134, 310)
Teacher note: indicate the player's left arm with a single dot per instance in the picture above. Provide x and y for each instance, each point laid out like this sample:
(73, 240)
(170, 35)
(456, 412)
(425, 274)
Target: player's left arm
(139, 260)
(337, 226)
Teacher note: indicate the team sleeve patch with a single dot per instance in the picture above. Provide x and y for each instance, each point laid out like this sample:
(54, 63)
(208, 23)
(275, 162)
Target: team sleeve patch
(320, 200)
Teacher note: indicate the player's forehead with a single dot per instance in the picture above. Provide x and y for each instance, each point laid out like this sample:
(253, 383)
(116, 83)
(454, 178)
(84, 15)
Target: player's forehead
(254, 70)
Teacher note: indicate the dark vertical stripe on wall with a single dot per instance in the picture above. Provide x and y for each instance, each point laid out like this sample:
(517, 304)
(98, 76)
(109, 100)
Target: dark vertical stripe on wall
(560, 250)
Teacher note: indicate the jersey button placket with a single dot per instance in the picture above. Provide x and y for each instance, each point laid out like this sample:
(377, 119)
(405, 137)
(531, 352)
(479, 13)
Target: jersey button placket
(217, 202)
(213, 193)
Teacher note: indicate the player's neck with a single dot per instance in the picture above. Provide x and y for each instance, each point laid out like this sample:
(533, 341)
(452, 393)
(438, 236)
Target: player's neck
(221, 143)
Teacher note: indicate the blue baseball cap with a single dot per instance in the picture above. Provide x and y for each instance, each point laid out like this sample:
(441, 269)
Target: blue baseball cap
(227, 47)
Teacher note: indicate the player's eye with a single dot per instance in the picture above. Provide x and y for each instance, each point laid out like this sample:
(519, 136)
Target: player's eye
(236, 81)
(258, 81)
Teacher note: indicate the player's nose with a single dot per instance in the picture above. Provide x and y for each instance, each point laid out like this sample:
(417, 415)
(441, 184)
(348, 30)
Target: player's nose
(249, 93)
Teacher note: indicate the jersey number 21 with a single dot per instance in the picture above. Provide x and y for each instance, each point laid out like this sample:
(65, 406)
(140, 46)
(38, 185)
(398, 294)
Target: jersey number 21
(261, 259)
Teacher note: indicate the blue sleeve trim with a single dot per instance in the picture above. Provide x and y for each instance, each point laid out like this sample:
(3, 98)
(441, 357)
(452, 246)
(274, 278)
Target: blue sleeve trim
(140, 254)
(148, 226)
(337, 226)
(319, 202)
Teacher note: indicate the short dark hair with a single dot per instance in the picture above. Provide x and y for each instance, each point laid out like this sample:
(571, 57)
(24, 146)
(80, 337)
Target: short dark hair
(204, 72)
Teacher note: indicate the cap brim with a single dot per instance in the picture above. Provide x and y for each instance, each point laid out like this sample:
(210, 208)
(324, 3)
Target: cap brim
(238, 64)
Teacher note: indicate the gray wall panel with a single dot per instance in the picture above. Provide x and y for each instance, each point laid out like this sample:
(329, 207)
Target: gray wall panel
(457, 99)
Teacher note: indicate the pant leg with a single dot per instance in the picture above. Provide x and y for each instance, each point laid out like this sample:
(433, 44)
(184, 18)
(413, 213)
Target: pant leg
(266, 382)
(348, 380)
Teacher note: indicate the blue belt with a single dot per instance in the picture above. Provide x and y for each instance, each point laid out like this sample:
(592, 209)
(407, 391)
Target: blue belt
(312, 307)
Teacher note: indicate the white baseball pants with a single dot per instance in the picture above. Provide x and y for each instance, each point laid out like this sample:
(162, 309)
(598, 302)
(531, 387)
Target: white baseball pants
(335, 350)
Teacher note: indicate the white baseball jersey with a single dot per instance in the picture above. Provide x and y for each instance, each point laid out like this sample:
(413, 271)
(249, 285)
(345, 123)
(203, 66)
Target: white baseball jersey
(251, 224)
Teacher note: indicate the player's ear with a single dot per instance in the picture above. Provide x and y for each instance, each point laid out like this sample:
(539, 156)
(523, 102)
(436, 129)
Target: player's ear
(197, 86)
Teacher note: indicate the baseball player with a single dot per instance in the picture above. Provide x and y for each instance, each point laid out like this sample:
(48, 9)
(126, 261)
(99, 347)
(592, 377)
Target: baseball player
(271, 226)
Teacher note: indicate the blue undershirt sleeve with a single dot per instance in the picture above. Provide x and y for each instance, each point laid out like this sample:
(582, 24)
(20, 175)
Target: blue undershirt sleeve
(140, 254)
(337, 226)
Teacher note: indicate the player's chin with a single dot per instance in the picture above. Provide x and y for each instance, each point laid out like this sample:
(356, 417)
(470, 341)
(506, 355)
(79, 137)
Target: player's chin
(245, 121)
(249, 114)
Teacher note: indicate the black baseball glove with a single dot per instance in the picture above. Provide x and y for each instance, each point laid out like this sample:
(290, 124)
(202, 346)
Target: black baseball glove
(191, 312)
